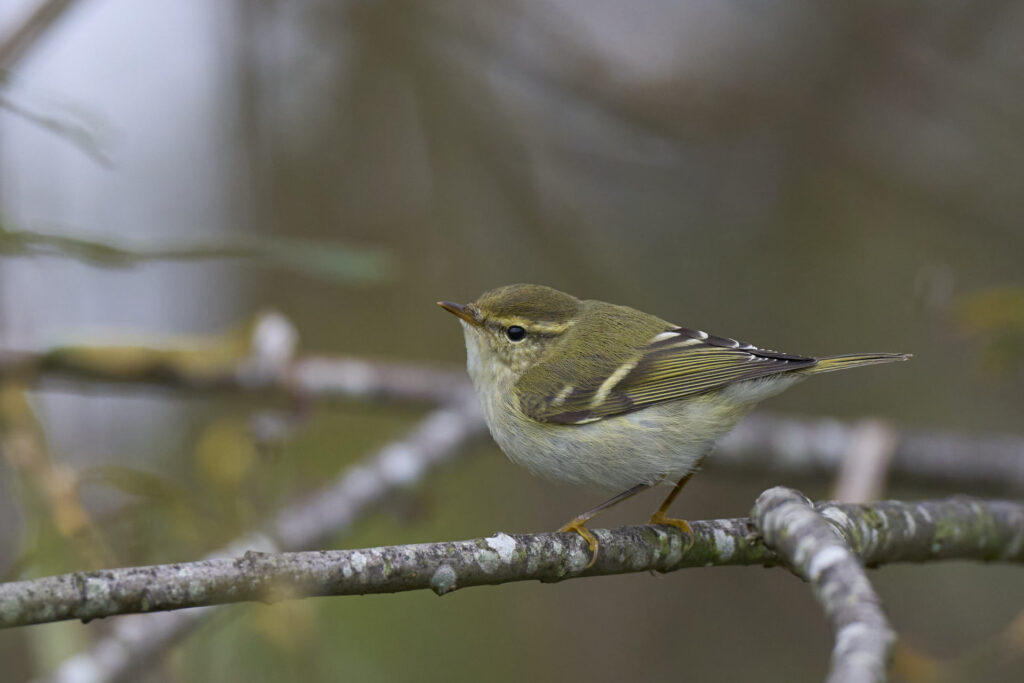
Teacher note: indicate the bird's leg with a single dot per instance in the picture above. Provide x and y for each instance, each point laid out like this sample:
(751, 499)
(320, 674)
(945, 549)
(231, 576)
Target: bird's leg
(659, 517)
(578, 522)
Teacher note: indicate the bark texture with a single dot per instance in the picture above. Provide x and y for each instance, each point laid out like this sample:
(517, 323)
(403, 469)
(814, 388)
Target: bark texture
(892, 531)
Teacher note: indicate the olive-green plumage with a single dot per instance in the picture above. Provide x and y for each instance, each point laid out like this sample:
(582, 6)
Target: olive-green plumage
(583, 343)
(594, 393)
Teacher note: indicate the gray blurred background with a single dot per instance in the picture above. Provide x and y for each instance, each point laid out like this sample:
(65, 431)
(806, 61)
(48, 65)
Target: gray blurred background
(813, 177)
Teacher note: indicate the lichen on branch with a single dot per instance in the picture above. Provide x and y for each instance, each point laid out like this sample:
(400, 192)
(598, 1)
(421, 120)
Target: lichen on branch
(893, 531)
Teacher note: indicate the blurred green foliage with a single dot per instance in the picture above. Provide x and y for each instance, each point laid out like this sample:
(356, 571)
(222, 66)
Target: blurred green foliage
(995, 317)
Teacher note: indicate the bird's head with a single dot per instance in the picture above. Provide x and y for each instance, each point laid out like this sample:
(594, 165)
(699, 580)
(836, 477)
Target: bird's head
(511, 328)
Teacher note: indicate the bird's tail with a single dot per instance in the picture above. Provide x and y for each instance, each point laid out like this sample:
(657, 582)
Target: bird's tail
(853, 360)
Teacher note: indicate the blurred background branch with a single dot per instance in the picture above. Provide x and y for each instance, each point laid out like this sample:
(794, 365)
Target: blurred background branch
(138, 642)
(255, 358)
(349, 265)
(786, 446)
(15, 44)
(80, 135)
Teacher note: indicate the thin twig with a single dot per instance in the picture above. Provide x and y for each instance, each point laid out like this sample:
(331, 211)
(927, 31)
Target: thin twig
(400, 464)
(957, 528)
(863, 470)
(311, 258)
(79, 135)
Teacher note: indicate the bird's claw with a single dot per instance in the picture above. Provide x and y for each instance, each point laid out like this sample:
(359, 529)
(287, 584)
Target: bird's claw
(577, 526)
(681, 524)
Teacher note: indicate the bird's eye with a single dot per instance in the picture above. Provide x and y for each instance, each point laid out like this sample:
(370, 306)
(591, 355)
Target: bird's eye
(515, 333)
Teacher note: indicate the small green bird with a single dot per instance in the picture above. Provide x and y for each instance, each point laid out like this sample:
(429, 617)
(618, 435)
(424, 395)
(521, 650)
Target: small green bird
(593, 393)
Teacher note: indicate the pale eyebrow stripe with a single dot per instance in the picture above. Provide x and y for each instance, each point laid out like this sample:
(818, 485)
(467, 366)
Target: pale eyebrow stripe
(546, 328)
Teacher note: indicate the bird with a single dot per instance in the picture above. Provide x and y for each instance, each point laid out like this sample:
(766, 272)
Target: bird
(607, 396)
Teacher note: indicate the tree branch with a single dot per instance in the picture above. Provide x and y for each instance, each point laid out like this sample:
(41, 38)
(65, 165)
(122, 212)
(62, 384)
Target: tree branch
(893, 531)
(19, 41)
(320, 377)
(400, 464)
(863, 472)
(137, 640)
(815, 447)
(815, 551)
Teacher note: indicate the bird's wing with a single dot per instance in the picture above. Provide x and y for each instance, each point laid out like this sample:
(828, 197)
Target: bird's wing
(677, 363)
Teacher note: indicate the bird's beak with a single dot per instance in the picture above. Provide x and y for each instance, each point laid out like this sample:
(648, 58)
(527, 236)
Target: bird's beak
(461, 311)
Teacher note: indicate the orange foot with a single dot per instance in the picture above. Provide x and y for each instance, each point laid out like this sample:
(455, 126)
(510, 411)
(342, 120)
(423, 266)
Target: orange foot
(660, 518)
(577, 526)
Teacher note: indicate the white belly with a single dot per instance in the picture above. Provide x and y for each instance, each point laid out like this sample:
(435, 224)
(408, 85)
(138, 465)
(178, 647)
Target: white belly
(660, 443)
